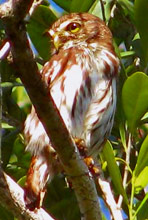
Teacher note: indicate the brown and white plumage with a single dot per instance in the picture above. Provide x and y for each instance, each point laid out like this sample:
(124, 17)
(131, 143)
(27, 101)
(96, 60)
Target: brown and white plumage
(81, 76)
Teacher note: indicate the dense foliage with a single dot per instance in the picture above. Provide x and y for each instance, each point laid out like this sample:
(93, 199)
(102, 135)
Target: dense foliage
(124, 159)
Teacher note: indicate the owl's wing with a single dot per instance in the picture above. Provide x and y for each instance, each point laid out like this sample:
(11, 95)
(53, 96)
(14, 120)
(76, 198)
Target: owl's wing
(100, 114)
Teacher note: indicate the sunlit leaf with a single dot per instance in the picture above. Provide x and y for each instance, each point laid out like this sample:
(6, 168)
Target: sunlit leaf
(96, 9)
(21, 181)
(142, 180)
(142, 160)
(127, 54)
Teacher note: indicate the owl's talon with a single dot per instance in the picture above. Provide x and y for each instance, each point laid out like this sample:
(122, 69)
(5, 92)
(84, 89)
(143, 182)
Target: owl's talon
(91, 166)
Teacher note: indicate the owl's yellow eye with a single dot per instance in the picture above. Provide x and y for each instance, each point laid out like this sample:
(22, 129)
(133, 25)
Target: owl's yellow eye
(73, 27)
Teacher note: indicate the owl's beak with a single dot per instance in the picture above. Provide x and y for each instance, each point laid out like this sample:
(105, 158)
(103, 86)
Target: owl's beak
(55, 37)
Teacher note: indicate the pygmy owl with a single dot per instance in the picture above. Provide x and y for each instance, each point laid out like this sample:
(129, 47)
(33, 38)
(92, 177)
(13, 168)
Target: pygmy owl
(81, 76)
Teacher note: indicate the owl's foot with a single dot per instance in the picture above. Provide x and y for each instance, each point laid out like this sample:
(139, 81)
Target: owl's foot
(93, 168)
(81, 146)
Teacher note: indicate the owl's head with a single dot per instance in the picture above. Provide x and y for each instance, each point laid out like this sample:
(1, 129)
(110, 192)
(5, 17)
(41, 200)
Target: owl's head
(77, 29)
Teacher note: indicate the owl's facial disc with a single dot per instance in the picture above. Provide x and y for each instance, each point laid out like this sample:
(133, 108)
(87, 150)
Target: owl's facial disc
(64, 31)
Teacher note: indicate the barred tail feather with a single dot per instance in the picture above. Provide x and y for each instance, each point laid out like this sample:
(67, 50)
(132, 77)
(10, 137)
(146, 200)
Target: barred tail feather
(37, 178)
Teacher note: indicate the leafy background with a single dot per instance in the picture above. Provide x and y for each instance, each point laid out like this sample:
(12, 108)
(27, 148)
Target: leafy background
(124, 159)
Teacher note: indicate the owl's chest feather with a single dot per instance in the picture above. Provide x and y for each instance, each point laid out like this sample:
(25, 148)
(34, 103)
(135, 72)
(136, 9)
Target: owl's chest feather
(80, 93)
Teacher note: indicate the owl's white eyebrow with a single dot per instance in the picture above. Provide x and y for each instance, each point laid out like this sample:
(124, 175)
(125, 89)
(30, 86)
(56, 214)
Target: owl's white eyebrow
(64, 24)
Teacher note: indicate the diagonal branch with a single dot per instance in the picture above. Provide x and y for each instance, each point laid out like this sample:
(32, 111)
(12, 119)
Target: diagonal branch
(12, 195)
(109, 199)
(40, 96)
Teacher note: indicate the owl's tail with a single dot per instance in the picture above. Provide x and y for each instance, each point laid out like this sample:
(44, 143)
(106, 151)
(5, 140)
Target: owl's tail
(37, 178)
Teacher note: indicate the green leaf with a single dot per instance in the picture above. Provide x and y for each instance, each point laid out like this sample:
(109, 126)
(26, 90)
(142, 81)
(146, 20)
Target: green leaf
(39, 23)
(135, 98)
(75, 5)
(81, 6)
(142, 180)
(142, 160)
(114, 170)
(20, 96)
(64, 4)
(123, 136)
(127, 5)
(22, 181)
(141, 17)
(96, 9)
(127, 54)
(142, 210)
(18, 147)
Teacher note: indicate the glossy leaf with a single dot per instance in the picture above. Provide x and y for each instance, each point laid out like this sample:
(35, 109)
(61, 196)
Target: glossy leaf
(142, 180)
(135, 98)
(39, 23)
(114, 169)
(96, 9)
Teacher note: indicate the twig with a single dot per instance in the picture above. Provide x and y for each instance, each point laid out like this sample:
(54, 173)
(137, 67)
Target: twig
(126, 171)
(4, 50)
(103, 11)
(35, 4)
(109, 199)
(40, 96)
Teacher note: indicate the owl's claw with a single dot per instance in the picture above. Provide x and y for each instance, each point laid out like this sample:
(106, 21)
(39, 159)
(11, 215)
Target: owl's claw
(91, 166)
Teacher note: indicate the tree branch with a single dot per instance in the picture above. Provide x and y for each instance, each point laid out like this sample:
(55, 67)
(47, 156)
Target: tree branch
(12, 198)
(109, 199)
(40, 96)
